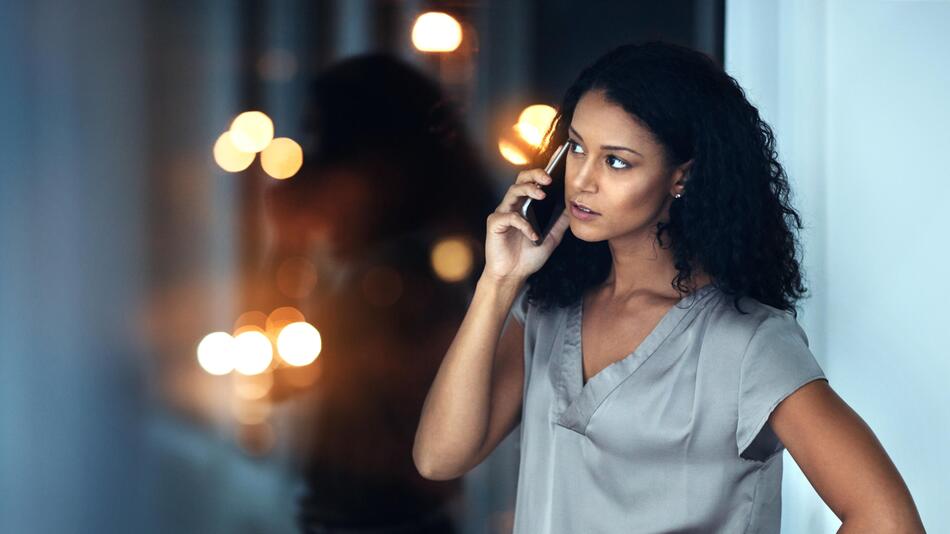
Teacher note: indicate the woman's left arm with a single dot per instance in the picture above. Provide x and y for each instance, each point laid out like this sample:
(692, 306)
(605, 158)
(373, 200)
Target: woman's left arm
(844, 461)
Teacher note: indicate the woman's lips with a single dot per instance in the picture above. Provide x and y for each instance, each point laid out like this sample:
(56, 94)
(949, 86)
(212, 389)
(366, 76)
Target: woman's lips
(581, 214)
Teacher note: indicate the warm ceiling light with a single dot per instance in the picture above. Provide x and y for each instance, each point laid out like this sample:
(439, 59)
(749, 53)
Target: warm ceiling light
(282, 158)
(230, 157)
(216, 353)
(534, 122)
(253, 352)
(451, 259)
(299, 344)
(436, 32)
(512, 152)
(252, 131)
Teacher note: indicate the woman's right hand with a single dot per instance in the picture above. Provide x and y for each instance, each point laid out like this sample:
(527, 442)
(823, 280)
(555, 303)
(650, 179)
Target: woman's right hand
(510, 253)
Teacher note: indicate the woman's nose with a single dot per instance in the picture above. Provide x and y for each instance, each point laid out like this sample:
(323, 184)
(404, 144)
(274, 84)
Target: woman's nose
(583, 178)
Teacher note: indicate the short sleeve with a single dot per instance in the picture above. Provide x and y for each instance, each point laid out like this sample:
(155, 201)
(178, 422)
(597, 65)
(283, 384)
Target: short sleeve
(519, 309)
(776, 362)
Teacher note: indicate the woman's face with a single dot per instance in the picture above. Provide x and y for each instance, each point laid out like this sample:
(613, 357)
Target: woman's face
(629, 184)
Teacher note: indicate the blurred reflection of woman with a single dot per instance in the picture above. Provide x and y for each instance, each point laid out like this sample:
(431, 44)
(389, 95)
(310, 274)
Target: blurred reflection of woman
(388, 173)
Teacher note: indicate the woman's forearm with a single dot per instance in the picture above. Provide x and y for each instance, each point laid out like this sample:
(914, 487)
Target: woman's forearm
(455, 415)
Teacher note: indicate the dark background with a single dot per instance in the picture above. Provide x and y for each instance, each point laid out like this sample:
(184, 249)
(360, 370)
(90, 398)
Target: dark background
(124, 243)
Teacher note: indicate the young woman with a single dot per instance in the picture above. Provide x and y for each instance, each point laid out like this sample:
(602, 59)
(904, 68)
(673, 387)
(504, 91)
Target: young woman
(656, 364)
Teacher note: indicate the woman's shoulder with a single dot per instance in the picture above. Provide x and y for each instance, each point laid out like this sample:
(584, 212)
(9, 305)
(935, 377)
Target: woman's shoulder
(742, 317)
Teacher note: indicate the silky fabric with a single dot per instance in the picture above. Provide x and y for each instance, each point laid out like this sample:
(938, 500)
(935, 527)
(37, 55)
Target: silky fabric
(671, 438)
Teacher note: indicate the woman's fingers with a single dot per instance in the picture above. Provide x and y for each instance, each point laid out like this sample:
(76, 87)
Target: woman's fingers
(527, 184)
(515, 196)
(499, 223)
(533, 175)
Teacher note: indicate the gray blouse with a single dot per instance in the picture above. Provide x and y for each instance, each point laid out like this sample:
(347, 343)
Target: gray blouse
(671, 438)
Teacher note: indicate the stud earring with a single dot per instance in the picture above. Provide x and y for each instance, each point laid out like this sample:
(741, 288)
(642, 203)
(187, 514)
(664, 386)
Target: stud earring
(677, 195)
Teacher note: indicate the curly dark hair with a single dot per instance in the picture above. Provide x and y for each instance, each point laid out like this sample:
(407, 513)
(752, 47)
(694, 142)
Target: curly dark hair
(734, 218)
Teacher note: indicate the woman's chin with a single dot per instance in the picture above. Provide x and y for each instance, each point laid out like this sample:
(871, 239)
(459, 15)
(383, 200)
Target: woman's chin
(584, 233)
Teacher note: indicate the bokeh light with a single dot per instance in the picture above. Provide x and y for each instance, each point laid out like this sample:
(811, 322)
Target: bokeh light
(229, 157)
(281, 317)
(436, 32)
(253, 352)
(534, 122)
(451, 259)
(299, 344)
(512, 152)
(514, 148)
(252, 131)
(216, 353)
(282, 158)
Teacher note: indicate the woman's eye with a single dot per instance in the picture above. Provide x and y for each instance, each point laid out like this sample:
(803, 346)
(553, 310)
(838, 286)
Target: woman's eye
(618, 165)
(623, 164)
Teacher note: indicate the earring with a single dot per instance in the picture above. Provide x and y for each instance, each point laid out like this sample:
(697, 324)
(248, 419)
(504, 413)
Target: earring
(677, 195)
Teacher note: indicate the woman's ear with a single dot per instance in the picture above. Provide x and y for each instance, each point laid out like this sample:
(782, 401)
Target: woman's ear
(685, 167)
(681, 174)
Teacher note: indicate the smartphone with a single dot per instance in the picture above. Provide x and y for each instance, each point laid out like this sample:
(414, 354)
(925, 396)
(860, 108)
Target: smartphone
(541, 214)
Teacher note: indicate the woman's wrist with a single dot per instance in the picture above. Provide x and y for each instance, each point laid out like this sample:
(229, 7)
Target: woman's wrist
(500, 284)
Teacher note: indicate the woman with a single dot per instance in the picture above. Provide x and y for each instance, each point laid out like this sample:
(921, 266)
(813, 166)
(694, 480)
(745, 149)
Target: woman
(656, 365)
(389, 172)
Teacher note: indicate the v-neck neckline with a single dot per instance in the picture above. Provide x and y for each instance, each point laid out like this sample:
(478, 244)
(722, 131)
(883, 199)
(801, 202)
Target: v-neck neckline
(577, 400)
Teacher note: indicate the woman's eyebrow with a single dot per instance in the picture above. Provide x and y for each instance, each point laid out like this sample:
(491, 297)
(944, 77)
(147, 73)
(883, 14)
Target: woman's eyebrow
(606, 147)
